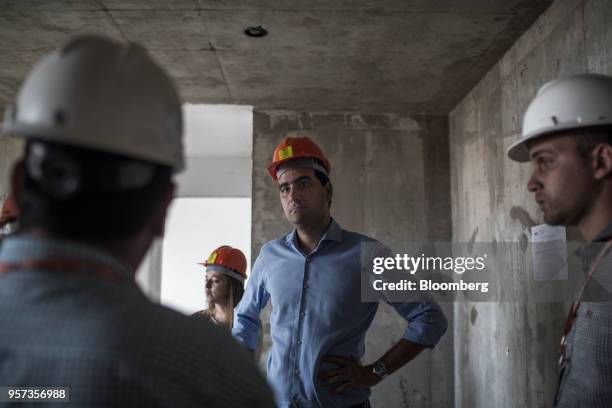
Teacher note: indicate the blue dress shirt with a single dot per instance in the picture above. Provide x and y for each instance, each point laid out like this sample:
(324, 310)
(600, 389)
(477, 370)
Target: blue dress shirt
(317, 311)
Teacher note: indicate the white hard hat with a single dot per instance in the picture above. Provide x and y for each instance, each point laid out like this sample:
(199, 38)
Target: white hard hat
(574, 102)
(102, 95)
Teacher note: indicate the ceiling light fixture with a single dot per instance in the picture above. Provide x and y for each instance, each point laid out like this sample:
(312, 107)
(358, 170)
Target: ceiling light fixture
(256, 32)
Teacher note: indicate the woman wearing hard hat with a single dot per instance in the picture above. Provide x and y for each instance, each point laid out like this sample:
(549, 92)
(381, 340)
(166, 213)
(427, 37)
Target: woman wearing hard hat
(225, 275)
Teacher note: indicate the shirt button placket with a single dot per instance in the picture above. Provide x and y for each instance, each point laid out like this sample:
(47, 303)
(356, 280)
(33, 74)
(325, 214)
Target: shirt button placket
(304, 286)
(300, 325)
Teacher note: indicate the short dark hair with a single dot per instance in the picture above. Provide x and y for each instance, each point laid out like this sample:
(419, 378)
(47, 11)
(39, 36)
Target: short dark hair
(78, 193)
(589, 138)
(322, 177)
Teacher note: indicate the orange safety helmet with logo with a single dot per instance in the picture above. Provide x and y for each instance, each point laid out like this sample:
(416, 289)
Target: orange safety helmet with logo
(228, 261)
(292, 148)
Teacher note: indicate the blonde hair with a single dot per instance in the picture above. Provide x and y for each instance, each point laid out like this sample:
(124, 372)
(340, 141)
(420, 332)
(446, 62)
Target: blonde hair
(232, 297)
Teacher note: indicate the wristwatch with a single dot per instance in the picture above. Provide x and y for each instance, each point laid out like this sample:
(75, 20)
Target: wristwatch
(380, 369)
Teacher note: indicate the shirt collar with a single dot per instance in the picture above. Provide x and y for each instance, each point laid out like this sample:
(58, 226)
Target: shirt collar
(18, 247)
(605, 234)
(589, 250)
(333, 233)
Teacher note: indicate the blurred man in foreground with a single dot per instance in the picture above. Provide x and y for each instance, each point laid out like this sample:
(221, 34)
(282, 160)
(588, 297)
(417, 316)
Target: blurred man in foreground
(103, 129)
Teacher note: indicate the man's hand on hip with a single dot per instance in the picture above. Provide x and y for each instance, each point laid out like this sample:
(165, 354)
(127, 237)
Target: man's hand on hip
(350, 374)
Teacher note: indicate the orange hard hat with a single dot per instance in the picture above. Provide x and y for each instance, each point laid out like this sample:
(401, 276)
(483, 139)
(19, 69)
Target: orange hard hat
(292, 148)
(227, 260)
(10, 212)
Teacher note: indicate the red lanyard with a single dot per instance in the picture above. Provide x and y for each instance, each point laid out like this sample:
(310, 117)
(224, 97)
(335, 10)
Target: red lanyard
(65, 265)
(569, 322)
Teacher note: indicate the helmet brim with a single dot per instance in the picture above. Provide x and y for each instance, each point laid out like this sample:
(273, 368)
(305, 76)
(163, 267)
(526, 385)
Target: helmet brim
(518, 150)
(272, 168)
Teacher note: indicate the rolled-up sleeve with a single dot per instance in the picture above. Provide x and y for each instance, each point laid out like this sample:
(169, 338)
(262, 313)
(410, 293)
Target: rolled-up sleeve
(246, 314)
(426, 322)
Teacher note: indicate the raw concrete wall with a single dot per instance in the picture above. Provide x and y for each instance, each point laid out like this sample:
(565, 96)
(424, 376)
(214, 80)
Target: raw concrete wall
(10, 150)
(506, 353)
(391, 181)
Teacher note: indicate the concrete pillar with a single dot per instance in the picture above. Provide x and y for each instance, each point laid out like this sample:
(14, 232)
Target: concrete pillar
(391, 181)
(10, 151)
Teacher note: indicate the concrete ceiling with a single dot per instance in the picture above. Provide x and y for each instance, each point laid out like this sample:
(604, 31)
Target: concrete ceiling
(416, 56)
(218, 130)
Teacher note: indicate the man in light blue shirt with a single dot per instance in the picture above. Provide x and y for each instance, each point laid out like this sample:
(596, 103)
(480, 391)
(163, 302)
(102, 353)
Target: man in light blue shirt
(313, 279)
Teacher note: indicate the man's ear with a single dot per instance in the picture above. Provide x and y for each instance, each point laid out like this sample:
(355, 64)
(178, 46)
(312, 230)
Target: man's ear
(158, 221)
(602, 161)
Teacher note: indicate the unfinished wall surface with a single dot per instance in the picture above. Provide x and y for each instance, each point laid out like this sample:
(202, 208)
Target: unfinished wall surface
(391, 181)
(10, 150)
(506, 353)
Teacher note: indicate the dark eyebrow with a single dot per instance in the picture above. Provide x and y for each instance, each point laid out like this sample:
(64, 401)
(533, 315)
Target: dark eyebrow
(535, 154)
(301, 178)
